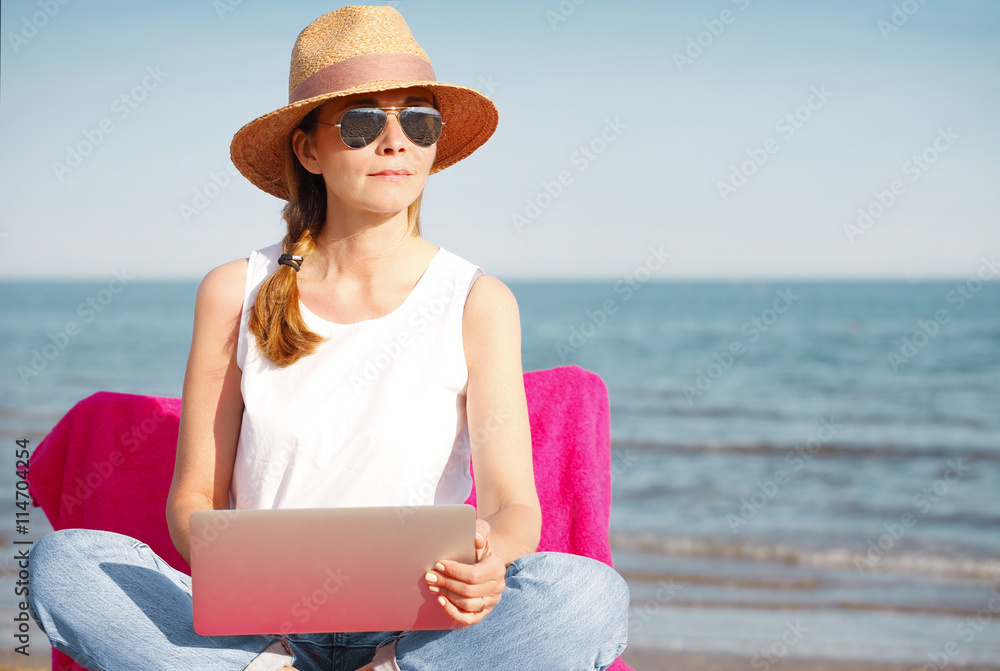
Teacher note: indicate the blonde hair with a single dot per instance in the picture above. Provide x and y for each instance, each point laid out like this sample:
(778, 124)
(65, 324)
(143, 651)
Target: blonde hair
(275, 319)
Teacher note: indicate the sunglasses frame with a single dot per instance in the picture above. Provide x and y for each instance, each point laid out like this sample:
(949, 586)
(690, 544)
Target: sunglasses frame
(387, 111)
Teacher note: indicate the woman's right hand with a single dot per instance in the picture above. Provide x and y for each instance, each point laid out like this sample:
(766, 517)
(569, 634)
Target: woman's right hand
(469, 592)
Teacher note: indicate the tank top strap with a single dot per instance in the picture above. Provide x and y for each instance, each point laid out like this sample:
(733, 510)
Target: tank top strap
(260, 265)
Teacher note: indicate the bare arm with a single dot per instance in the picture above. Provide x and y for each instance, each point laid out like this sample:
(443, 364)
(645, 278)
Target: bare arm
(510, 518)
(498, 420)
(211, 406)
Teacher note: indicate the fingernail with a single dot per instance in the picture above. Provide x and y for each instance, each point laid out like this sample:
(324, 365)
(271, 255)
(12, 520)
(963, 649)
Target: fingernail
(439, 566)
(434, 589)
(441, 598)
(431, 577)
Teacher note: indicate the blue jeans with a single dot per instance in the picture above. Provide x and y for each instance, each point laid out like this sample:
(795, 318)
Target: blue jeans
(111, 603)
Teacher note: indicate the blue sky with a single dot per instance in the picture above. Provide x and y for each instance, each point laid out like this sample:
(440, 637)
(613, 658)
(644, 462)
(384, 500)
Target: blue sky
(739, 137)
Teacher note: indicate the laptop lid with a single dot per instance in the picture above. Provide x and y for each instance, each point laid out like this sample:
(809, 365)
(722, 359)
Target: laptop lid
(308, 570)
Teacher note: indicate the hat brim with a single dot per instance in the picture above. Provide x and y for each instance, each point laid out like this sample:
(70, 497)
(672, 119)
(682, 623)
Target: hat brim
(258, 148)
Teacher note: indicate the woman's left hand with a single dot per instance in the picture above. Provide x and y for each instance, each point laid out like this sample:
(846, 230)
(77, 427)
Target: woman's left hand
(468, 592)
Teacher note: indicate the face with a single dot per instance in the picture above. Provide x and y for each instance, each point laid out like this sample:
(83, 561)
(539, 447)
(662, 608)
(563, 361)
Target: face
(351, 175)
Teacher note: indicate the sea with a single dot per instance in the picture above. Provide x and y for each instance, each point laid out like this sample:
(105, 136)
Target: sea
(801, 469)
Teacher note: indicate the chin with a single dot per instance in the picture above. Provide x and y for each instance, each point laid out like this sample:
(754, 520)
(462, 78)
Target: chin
(386, 197)
(391, 202)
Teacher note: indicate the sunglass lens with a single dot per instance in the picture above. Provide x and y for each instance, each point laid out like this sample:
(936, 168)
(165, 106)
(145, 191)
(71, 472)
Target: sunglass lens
(421, 124)
(360, 127)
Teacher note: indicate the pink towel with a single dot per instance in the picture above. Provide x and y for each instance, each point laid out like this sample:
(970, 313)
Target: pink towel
(571, 445)
(109, 461)
(107, 465)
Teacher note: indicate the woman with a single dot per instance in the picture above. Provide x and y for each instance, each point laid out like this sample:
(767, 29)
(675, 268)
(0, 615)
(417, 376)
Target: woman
(290, 399)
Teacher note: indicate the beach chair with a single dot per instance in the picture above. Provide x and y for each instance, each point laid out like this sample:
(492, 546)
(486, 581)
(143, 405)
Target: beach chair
(109, 462)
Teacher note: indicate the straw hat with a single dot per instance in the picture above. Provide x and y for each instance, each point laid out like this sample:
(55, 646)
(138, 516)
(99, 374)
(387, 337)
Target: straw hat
(358, 49)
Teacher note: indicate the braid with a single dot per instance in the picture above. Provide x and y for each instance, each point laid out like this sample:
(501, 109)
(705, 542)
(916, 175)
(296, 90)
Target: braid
(275, 318)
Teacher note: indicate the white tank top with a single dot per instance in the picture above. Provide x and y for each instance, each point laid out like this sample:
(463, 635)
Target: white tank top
(374, 417)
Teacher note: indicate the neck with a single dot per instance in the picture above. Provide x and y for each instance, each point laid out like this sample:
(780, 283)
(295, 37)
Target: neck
(348, 247)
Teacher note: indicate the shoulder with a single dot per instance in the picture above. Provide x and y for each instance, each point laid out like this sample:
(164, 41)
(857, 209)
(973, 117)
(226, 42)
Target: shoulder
(218, 308)
(490, 299)
(220, 293)
(491, 319)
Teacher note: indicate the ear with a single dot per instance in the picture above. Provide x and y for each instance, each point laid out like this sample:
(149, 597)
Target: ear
(304, 149)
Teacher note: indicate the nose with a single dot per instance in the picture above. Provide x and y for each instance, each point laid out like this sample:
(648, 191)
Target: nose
(393, 136)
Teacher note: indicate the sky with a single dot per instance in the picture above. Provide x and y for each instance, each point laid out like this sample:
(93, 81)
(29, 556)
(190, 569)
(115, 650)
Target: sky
(731, 139)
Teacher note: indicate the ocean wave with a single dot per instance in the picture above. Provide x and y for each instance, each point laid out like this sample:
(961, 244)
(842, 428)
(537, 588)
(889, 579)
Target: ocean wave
(854, 559)
(832, 450)
(854, 416)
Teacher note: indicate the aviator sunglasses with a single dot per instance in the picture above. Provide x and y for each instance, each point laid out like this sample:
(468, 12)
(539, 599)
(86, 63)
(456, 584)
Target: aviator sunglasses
(361, 126)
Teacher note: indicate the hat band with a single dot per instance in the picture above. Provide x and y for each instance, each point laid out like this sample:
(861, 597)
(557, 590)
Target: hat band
(362, 69)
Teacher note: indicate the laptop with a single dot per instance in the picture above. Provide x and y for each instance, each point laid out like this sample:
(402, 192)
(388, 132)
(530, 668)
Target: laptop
(324, 570)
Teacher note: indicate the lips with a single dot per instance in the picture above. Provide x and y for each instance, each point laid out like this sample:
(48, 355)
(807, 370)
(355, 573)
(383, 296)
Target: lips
(390, 172)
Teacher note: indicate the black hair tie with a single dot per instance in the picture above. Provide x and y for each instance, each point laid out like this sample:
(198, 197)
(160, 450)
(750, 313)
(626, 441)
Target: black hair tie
(290, 260)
